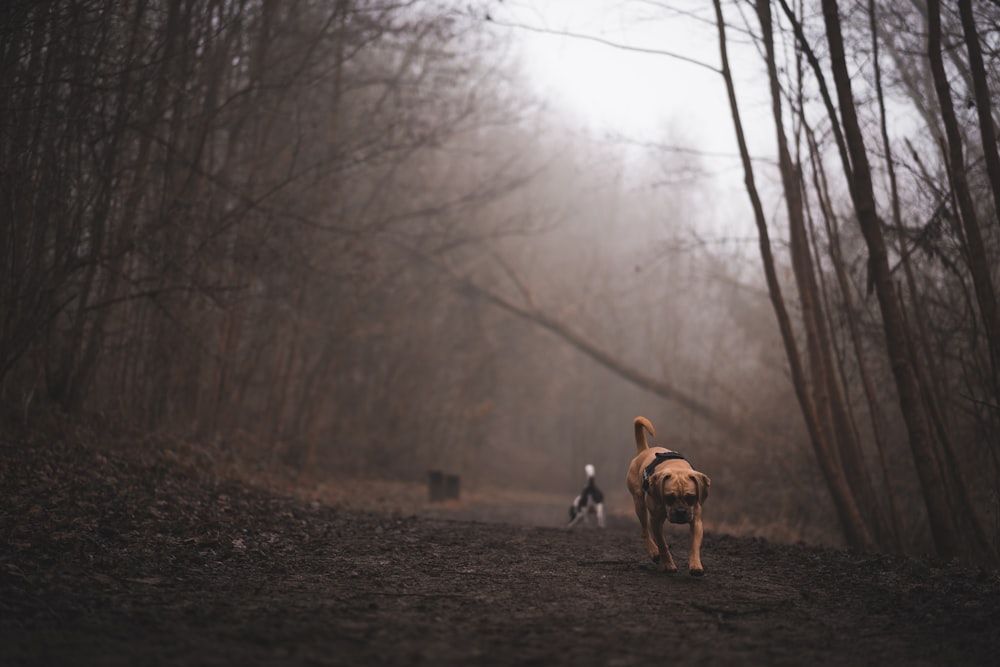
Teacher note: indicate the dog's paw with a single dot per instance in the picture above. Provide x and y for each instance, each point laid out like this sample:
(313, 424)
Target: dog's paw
(696, 572)
(668, 566)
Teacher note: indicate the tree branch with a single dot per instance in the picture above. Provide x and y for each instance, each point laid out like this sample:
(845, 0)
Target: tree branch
(605, 42)
(539, 317)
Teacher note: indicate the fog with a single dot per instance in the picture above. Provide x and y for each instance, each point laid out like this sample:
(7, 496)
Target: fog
(357, 240)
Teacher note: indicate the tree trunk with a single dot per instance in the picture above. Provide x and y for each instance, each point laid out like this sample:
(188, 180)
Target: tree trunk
(829, 401)
(984, 104)
(943, 530)
(855, 529)
(979, 265)
(850, 315)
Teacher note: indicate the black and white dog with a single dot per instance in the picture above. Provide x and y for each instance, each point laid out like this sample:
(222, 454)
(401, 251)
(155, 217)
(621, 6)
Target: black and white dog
(590, 501)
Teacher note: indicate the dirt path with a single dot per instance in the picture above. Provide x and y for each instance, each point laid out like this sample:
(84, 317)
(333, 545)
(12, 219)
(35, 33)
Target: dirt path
(107, 561)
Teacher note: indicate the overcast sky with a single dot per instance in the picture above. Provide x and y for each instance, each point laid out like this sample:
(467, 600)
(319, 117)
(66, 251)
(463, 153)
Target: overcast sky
(641, 95)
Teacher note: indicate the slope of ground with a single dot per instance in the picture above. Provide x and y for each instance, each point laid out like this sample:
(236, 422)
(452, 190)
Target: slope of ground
(110, 558)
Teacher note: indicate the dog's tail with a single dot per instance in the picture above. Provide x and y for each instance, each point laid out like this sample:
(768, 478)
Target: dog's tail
(642, 425)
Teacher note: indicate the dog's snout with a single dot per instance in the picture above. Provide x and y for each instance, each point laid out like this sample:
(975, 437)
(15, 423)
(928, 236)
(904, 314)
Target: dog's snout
(680, 515)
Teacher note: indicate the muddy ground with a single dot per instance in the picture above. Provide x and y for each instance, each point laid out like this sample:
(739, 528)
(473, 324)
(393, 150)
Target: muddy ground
(110, 558)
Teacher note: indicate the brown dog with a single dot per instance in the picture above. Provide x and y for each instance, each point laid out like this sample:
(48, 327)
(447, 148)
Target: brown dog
(664, 485)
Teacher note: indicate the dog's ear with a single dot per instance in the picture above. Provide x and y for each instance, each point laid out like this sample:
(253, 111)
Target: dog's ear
(701, 483)
(663, 482)
(656, 485)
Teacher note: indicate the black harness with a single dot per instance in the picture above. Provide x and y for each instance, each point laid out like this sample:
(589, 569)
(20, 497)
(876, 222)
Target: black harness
(660, 457)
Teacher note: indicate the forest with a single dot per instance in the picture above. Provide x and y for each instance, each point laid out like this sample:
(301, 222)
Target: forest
(346, 239)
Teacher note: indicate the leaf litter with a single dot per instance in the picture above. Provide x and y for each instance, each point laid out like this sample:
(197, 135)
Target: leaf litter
(128, 554)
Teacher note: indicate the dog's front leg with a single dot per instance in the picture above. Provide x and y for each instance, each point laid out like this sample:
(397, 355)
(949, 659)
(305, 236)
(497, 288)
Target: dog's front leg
(664, 556)
(694, 560)
(643, 513)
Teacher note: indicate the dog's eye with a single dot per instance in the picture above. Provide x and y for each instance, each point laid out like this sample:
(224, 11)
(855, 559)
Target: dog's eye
(669, 498)
(690, 499)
